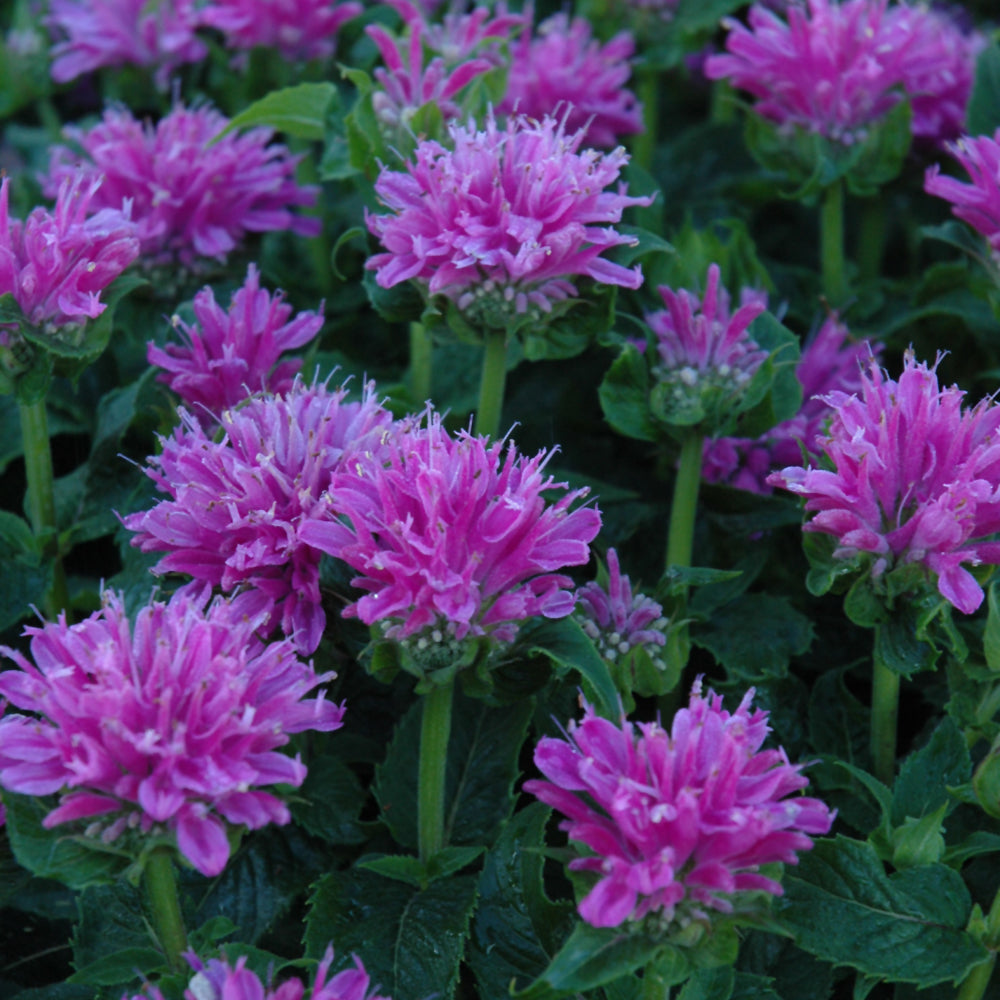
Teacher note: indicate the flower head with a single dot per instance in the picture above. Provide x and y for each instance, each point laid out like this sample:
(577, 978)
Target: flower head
(56, 264)
(236, 506)
(565, 71)
(191, 198)
(452, 535)
(227, 355)
(834, 68)
(504, 219)
(171, 727)
(915, 479)
(680, 822)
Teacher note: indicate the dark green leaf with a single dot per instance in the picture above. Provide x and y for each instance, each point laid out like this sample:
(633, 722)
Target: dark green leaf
(120, 968)
(983, 113)
(329, 802)
(709, 984)
(299, 111)
(991, 633)
(921, 787)
(414, 872)
(111, 927)
(624, 396)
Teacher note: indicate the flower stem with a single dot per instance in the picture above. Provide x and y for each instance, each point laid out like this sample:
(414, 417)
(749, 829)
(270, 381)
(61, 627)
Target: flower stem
(492, 383)
(680, 535)
(421, 363)
(832, 244)
(648, 92)
(872, 238)
(973, 987)
(435, 728)
(161, 887)
(41, 499)
(885, 715)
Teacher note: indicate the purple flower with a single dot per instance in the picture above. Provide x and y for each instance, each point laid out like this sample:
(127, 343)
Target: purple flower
(56, 264)
(829, 362)
(679, 822)
(452, 537)
(226, 356)
(91, 34)
(914, 479)
(190, 198)
(172, 726)
(503, 221)
(977, 203)
(565, 72)
(834, 68)
(618, 621)
(298, 29)
(236, 506)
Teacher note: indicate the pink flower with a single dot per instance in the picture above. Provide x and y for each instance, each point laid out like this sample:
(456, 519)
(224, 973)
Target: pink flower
(56, 264)
(91, 34)
(914, 480)
(452, 535)
(503, 220)
(618, 621)
(299, 29)
(834, 68)
(173, 726)
(226, 356)
(829, 362)
(977, 203)
(190, 198)
(679, 822)
(236, 506)
(565, 72)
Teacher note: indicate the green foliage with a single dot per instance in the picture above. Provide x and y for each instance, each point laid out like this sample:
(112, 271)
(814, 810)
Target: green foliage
(982, 116)
(299, 111)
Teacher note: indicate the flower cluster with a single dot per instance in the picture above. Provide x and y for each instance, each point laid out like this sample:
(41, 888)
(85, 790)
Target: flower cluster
(191, 198)
(453, 535)
(679, 821)
(502, 220)
(236, 506)
(227, 355)
(566, 72)
(915, 479)
(56, 264)
(172, 727)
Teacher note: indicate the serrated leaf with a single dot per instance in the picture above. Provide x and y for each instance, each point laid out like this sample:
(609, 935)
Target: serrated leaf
(982, 115)
(922, 785)
(299, 111)
(120, 968)
(709, 984)
(909, 927)
(624, 396)
(111, 921)
(329, 802)
(415, 872)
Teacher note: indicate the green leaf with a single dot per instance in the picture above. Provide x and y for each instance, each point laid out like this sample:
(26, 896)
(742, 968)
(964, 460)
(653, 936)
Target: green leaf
(120, 967)
(710, 984)
(774, 393)
(329, 803)
(922, 785)
(299, 111)
(796, 974)
(26, 576)
(982, 115)
(411, 940)
(991, 633)
(624, 396)
(112, 931)
(909, 927)
(414, 872)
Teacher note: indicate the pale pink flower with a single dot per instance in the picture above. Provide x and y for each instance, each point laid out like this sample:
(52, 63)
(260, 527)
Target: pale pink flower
(191, 198)
(565, 72)
(503, 220)
(299, 29)
(679, 822)
(452, 535)
(914, 479)
(227, 355)
(173, 726)
(56, 264)
(235, 506)
(91, 34)
(834, 68)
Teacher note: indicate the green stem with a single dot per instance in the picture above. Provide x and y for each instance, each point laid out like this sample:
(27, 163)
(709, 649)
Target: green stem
(161, 887)
(421, 363)
(885, 716)
(680, 535)
(435, 728)
(871, 238)
(492, 383)
(648, 92)
(832, 244)
(973, 987)
(653, 987)
(41, 498)
(723, 108)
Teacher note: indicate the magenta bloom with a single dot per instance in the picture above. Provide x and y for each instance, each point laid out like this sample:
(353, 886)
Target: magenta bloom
(171, 726)
(298, 29)
(619, 621)
(91, 34)
(189, 199)
(237, 505)
(977, 203)
(56, 264)
(567, 73)
(830, 67)
(915, 479)
(679, 821)
(830, 362)
(453, 535)
(503, 220)
(226, 356)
